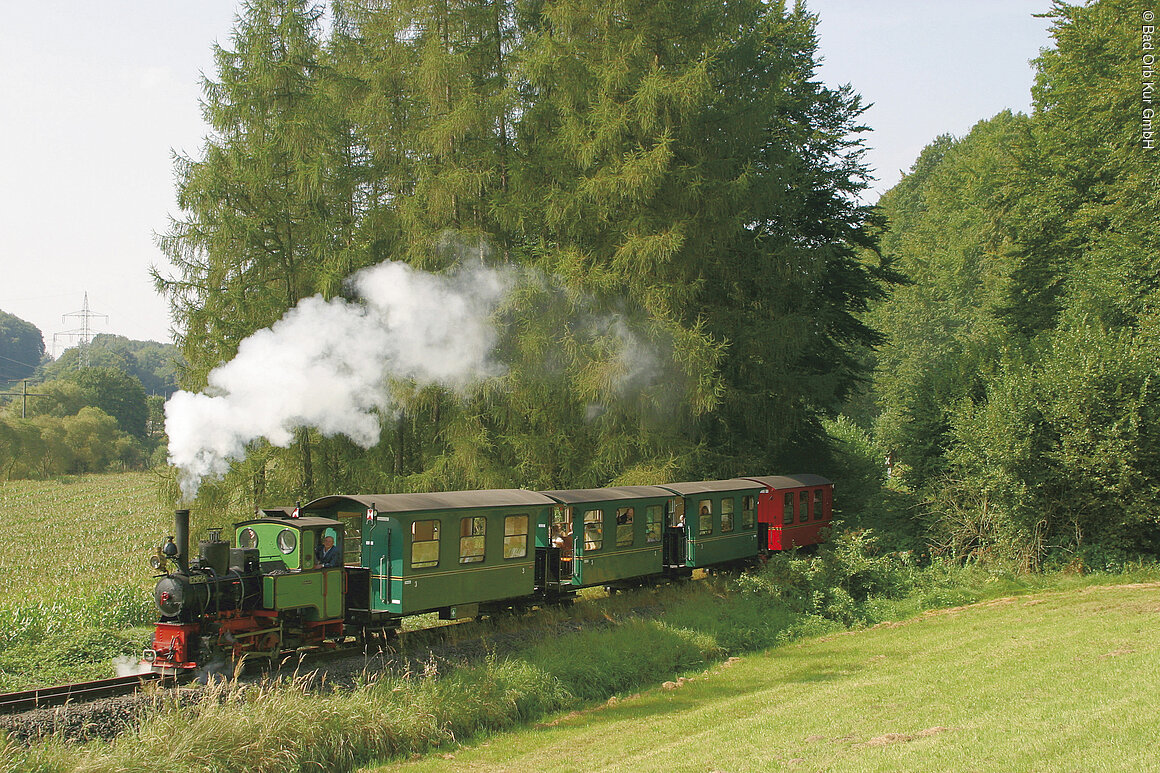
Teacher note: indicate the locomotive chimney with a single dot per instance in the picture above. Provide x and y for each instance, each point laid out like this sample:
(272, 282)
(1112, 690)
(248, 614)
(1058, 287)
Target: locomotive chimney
(181, 537)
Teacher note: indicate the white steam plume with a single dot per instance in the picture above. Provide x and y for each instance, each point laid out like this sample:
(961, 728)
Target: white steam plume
(127, 665)
(325, 365)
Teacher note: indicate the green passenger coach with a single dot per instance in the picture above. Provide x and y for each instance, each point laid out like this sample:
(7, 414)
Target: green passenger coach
(607, 536)
(715, 522)
(453, 553)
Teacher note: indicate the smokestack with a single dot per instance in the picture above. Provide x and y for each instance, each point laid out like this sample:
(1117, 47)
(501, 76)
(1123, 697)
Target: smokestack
(181, 537)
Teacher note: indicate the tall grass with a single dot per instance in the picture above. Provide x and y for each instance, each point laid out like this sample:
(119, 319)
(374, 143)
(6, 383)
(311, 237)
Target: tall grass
(282, 727)
(596, 664)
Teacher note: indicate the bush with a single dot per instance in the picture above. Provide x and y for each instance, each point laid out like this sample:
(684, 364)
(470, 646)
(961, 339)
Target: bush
(836, 583)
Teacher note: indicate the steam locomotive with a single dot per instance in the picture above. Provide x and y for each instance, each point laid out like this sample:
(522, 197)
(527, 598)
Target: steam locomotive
(458, 554)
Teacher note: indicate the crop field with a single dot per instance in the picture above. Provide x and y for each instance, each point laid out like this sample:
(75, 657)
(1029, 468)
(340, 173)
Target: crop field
(1053, 681)
(74, 574)
(78, 536)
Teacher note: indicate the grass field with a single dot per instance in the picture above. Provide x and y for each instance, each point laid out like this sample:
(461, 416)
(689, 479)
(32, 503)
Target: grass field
(79, 535)
(1064, 680)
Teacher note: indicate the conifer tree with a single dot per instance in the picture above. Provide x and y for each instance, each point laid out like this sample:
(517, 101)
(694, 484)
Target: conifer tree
(256, 229)
(678, 188)
(686, 157)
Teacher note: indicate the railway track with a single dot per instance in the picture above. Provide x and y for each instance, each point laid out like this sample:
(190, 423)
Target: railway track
(83, 692)
(79, 692)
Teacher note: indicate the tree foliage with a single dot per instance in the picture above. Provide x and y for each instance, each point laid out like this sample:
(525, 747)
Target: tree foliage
(44, 446)
(21, 348)
(948, 237)
(670, 175)
(1020, 383)
(118, 394)
(154, 364)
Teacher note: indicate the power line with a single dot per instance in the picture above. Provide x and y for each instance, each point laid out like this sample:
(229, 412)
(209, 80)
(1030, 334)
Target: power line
(18, 362)
(25, 394)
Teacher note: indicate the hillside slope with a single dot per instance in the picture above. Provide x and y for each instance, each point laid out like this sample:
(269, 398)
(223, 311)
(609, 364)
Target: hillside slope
(1055, 681)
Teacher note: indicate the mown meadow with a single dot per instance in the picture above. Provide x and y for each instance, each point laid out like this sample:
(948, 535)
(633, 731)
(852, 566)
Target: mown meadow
(1056, 680)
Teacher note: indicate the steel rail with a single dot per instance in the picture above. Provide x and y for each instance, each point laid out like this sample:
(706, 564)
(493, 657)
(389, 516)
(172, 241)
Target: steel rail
(80, 692)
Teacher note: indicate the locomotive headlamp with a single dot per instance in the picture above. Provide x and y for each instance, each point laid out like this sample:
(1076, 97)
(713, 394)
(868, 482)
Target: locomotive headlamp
(165, 552)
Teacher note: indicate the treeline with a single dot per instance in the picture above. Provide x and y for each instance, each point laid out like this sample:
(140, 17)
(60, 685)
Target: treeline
(674, 165)
(1019, 388)
(89, 410)
(682, 167)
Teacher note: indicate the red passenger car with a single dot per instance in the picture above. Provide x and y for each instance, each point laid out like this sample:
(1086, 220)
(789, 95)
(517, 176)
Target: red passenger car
(795, 510)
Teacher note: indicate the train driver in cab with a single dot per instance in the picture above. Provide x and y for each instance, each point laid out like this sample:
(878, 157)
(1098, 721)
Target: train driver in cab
(328, 554)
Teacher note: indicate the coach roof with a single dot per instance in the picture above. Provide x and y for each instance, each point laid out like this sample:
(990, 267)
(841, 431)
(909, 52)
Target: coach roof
(578, 495)
(708, 486)
(792, 481)
(443, 500)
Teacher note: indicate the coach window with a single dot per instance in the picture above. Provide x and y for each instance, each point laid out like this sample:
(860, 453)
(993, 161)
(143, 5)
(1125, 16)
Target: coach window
(787, 508)
(424, 544)
(804, 506)
(593, 530)
(747, 520)
(351, 545)
(472, 532)
(562, 521)
(726, 515)
(705, 517)
(515, 536)
(653, 517)
(624, 527)
(818, 509)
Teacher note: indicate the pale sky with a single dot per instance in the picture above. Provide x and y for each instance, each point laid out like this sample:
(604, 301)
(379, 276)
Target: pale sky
(95, 97)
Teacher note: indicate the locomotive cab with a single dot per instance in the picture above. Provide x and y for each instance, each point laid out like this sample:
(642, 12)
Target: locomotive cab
(294, 582)
(290, 544)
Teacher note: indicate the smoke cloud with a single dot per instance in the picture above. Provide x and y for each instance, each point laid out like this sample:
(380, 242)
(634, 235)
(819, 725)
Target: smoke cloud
(326, 364)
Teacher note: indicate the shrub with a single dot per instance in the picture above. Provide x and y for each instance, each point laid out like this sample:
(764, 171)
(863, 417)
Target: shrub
(837, 582)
